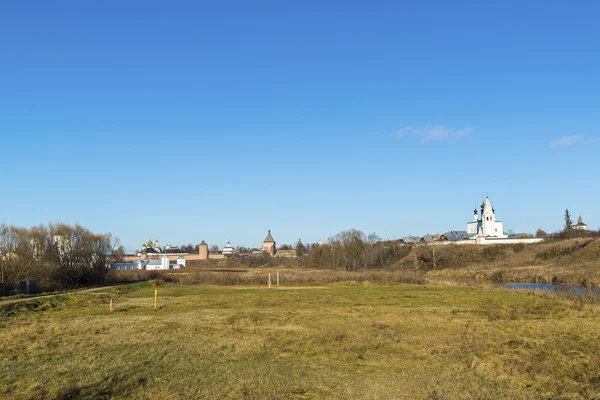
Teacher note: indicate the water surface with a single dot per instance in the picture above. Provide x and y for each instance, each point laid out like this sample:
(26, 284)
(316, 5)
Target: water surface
(548, 288)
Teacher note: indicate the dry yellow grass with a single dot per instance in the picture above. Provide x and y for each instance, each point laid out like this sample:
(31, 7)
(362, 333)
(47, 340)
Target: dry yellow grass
(357, 341)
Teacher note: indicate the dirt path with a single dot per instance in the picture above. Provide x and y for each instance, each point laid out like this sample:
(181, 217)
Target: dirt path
(23, 299)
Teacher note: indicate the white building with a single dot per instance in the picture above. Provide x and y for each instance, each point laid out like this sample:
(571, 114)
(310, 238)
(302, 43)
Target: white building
(581, 226)
(151, 265)
(486, 225)
(228, 250)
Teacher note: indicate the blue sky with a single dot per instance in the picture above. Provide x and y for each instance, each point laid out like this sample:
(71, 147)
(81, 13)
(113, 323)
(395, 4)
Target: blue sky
(187, 120)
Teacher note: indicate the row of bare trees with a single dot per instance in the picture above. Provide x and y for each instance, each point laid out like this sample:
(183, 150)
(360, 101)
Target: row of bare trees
(353, 250)
(57, 255)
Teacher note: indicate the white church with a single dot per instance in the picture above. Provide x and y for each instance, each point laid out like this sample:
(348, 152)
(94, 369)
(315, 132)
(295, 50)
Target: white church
(486, 225)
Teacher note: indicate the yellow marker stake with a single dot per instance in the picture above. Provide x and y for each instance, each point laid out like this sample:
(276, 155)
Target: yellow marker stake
(155, 294)
(110, 305)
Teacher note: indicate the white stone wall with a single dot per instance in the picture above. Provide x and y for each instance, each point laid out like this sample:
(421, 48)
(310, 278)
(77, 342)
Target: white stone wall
(491, 240)
(486, 240)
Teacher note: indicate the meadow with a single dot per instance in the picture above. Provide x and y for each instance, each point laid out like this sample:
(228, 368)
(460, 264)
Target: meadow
(331, 341)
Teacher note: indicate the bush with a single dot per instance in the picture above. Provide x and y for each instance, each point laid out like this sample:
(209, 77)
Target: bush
(156, 282)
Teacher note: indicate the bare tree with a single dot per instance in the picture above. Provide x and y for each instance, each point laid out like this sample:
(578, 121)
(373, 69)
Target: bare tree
(540, 233)
(9, 242)
(119, 254)
(58, 255)
(79, 256)
(187, 248)
(351, 245)
(431, 254)
(373, 238)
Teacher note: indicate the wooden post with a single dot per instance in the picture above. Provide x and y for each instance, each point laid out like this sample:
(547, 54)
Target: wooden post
(277, 278)
(155, 294)
(269, 280)
(111, 305)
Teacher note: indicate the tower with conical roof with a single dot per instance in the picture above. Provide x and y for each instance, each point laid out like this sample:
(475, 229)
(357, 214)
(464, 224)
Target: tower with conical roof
(203, 250)
(488, 219)
(268, 244)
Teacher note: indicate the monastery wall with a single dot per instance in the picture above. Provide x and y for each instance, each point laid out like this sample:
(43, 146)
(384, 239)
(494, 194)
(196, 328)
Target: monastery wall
(486, 240)
(173, 257)
(510, 241)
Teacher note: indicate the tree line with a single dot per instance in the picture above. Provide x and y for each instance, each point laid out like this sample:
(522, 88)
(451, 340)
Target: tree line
(350, 250)
(58, 256)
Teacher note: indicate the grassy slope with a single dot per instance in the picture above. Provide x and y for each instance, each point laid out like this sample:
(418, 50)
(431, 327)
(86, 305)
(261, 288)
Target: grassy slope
(369, 342)
(571, 262)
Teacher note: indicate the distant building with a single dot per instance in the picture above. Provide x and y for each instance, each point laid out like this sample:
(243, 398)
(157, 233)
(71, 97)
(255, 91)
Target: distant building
(581, 226)
(171, 249)
(429, 238)
(149, 248)
(228, 250)
(454, 236)
(486, 225)
(286, 253)
(151, 265)
(483, 229)
(410, 240)
(163, 264)
(203, 250)
(519, 235)
(61, 243)
(268, 244)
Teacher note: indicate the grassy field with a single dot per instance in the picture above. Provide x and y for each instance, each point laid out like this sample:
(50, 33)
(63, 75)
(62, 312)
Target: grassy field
(339, 341)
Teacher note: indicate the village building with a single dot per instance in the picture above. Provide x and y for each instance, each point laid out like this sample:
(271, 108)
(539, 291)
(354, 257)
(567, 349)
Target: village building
(410, 240)
(519, 236)
(454, 236)
(429, 238)
(268, 244)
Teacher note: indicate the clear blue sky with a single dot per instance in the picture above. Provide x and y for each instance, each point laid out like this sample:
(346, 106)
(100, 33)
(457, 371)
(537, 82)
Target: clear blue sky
(186, 120)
